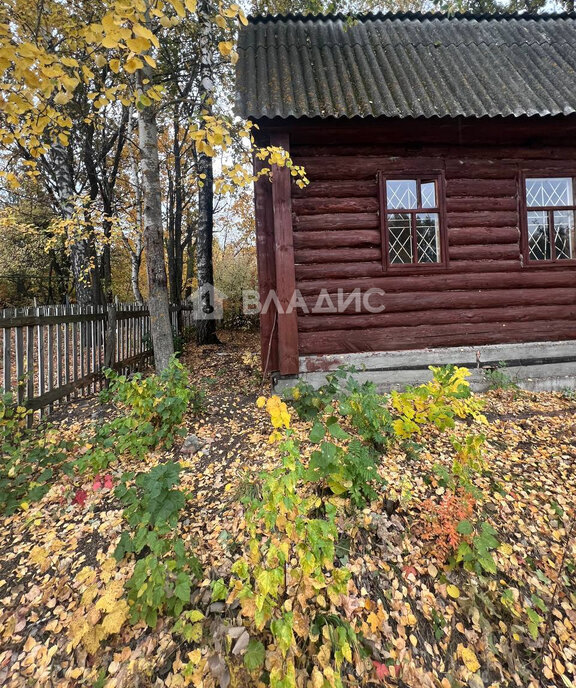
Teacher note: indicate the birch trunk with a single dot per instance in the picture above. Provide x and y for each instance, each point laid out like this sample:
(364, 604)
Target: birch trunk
(136, 250)
(158, 303)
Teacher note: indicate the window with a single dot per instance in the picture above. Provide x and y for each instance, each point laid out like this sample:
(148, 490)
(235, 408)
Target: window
(411, 221)
(550, 218)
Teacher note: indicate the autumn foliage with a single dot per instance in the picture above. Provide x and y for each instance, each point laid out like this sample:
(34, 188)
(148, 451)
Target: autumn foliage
(359, 546)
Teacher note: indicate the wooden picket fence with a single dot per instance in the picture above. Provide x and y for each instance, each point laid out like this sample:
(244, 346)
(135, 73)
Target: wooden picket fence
(51, 354)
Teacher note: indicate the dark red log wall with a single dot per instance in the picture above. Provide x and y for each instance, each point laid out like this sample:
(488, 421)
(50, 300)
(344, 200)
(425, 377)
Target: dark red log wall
(485, 294)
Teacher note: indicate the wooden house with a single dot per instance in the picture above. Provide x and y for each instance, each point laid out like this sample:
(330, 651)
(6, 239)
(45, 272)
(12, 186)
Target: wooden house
(441, 156)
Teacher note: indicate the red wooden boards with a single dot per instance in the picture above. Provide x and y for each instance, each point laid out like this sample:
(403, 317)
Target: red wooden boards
(485, 295)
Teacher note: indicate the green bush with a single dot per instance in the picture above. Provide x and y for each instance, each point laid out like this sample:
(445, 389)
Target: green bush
(29, 461)
(152, 409)
(164, 572)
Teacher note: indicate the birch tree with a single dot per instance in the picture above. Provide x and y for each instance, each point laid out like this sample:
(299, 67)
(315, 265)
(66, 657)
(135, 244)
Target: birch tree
(40, 72)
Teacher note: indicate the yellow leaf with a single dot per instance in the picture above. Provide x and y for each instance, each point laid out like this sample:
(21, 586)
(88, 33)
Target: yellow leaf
(469, 658)
(138, 45)
(92, 638)
(114, 65)
(133, 65)
(109, 600)
(143, 32)
(317, 678)
(225, 47)
(453, 591)
(39, 556)
(178, 7)
(113, 622)
(347, 652)
(62, 97)
(323, 656)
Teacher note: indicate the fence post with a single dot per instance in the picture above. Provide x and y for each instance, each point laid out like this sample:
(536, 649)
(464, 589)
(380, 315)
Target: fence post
(110, 343)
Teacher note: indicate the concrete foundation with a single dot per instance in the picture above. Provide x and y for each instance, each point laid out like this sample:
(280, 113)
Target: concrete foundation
(539, 367)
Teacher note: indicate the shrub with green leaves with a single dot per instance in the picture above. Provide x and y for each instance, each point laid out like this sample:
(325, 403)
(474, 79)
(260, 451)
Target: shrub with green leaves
(350, 470)
(367, 412)
(288, 585)
(151, 411)
(164, 572)
(29, 461)
(309, 401)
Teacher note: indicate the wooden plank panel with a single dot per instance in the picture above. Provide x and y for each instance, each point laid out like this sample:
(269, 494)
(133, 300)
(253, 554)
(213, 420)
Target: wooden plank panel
(342, 188)
(266, 264)
(459, 204)
(337, 221)
(7, 359)
(29, 364)
(374, 269)
(334, 238)
(397, 148)
(497, 218)
(440, 316)
(342, 167)
(481, 169)
(284, 256)
(467, 187)
(483, 235)
(481, 251)
(19, 350)
(498, 131)
(416, 301)
(333, 255)
(517, 279)
(318, 206)
(426, 336)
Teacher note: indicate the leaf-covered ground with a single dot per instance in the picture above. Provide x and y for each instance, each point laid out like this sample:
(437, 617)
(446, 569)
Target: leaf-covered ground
(423, 626)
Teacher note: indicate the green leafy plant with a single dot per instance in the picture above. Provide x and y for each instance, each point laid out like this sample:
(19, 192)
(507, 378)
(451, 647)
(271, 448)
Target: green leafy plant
(367, 411)
(568, 394)
(151, 411)
(475, 553)
(286, 584)
(164, 572)
(350, 470)
(498, 378)
(30, 457)
(309, 401)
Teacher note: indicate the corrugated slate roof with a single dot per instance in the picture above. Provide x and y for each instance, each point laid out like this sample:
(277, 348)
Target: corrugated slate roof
(407, 65)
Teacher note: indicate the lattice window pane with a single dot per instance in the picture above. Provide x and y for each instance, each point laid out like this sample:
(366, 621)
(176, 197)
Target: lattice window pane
(401, 194)
(428, 237)
(538, 235)
(399, 238)
(428, 194)
(550, 192)
(564, 234)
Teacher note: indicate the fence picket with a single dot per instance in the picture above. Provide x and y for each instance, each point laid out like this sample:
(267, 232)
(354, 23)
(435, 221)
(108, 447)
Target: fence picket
(7, 348)
(51, 354)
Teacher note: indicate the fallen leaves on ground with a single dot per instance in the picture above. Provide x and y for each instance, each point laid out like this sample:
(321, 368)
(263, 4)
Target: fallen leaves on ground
(63, 619)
